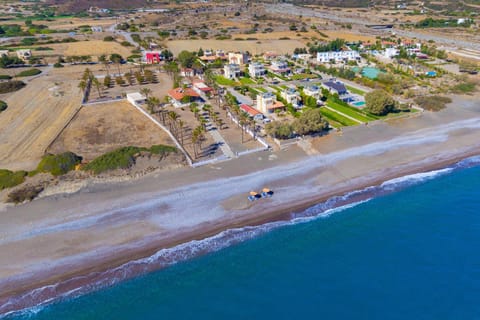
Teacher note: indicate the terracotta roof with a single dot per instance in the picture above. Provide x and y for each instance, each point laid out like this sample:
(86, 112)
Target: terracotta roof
(250, 110)
(179, 93)
(276, 105)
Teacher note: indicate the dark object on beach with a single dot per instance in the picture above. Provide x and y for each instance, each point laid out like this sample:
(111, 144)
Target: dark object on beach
(27, 193)
(254, 196)
(267, 193)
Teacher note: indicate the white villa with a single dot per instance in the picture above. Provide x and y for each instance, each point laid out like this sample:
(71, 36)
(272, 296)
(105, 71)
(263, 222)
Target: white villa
(291, 96)
(337, 56)
(312, 91)
(256, 69)
(267, 103)
(280, 66)
(231, 70)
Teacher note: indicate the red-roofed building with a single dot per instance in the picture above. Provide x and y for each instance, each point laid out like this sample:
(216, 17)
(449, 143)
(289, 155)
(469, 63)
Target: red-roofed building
(200, 87)
(252, 112)
(180, 97)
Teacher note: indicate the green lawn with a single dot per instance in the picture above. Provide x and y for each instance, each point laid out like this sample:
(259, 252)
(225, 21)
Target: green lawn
(302, 76)
(261, 89)
(221, 80)
(350, 112)
(335, 118)
(355, 90)
(246, 81)
(275, 88)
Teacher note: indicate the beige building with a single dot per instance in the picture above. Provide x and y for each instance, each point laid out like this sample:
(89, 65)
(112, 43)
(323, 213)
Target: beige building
(267, 103)
(237, 58)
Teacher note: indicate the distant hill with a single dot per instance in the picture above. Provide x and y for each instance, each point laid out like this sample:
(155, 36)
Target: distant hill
(82, 5)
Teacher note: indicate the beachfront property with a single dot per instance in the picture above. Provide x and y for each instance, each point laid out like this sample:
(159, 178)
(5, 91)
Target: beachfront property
(251, 111)
(200, 87)
(181, 97)
(267, 103)
(312, 91)
(24, 54)
(280, 66)
(338, 56)
(136, 98)
(232, 70)
(187, 72)
(151, 57)
(291, 96)
(239, 58)
(256, 69)
(335, 87)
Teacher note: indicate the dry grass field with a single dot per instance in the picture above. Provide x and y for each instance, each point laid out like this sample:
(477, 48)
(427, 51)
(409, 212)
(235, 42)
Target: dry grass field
(35, 116)
(253, 46)
(96, 48)
(101, 128)
(70, 23)
(348, 36)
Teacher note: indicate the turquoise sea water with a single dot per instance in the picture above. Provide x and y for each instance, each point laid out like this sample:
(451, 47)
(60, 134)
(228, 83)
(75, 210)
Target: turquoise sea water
(410, 254)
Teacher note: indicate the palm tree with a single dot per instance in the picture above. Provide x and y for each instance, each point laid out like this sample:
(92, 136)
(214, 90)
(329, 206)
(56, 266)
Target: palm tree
(97, 85)
(173, 116)
(146, 92)
(103, 60)
(82, 85)
(181, 126)
(242, 121)
(194, 142)
(152, 102)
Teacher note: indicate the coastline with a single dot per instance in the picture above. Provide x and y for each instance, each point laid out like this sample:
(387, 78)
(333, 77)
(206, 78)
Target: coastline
(373, 171)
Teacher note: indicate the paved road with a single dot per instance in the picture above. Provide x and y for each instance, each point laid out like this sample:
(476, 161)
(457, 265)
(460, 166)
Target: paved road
(331, 15)
(240, 97)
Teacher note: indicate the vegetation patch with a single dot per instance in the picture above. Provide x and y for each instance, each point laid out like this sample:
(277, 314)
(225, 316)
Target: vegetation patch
(29, 72)
(221, 80)
(433, 103)
(11, 86)
(27, 193)
(3, 105)
(9, 179)
(5, 77)
(465, 87)
(58, 164)
(124, 158)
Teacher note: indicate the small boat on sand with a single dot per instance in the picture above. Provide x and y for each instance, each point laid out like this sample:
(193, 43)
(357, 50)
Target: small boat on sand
(267, 193)
(254, 196)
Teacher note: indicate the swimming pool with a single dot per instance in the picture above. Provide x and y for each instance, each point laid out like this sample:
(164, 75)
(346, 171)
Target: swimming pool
(359, 103)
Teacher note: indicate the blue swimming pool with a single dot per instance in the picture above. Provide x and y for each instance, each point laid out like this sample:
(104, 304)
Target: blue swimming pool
(359, 103)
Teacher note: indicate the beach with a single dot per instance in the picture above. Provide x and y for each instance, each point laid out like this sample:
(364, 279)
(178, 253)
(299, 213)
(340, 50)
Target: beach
(105, 225)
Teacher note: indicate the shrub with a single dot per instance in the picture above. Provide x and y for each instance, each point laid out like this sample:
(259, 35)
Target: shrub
(433, 103)
(5, 77)
(109, 38)
(465, 87)
(3, 105)
(124, 158)
(59, 164)
(58, 65)
(28, 193)
(10, 179)
(11, 86)
(29, 72)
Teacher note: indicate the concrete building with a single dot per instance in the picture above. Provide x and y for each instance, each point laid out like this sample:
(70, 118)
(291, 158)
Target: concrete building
(291, 96)
(136, 98)
(24, 54)
(335, 87)
(280, 66)
(390, 52)
(256, 69)
(338, 56)
(252, 112)
(151, 57)
(312, 91)
(231, 71)
(267, 103)
(239, 58)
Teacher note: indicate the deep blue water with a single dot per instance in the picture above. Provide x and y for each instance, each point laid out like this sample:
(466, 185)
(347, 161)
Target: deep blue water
(412, 254)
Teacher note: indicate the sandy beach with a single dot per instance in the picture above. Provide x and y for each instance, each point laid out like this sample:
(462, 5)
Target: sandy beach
(105, 225)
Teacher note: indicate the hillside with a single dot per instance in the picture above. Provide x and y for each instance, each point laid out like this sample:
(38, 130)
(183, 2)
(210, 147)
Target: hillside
(82, 5)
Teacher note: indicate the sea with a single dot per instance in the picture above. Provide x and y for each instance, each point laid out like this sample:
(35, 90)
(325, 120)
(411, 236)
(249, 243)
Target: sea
(408, 249)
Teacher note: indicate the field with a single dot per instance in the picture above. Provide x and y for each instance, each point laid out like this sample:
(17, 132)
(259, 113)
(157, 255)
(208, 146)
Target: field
(35, 116)
(252, 46)
(96, 48)
(101, 128)
(348, 36)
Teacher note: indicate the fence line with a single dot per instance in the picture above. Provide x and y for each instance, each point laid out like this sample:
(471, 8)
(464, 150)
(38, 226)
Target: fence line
(179, 146)
(263, 142)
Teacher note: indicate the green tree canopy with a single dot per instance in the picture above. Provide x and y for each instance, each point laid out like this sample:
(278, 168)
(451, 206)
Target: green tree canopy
(186, 58)
(310, 121)
(379, 102)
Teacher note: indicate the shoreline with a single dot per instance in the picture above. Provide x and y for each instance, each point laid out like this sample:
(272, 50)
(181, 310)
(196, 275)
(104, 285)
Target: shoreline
(92, 271)
(64, 242)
